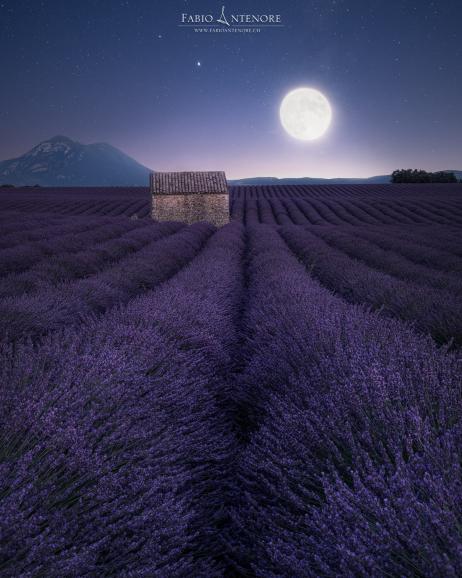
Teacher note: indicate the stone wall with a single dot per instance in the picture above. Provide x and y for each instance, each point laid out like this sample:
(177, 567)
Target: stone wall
(190, 208)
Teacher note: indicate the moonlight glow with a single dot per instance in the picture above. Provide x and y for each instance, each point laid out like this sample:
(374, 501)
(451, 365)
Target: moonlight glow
(305, 113)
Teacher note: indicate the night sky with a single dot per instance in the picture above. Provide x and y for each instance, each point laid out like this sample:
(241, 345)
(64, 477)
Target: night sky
(125, 73)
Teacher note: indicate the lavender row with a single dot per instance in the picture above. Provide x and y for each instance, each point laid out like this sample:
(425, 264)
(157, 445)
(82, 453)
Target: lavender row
(114, 208)
(12, 222)
(437, 258)
(76, 264)
(352, 426)
(437, 247)
(434, 311)
(387, 260)
(58, 306)
(48, 229)
(22, 257)
(115, 449)
(26, 240)
(302, 211)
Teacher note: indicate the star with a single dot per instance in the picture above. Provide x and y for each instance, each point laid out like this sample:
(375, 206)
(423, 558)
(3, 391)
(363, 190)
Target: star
(198, 64)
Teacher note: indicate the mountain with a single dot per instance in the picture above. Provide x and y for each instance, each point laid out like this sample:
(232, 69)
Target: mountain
(61, 161)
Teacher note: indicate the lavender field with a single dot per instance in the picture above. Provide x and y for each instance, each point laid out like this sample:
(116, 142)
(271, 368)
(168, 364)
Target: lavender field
(272, 205)
(281, 397)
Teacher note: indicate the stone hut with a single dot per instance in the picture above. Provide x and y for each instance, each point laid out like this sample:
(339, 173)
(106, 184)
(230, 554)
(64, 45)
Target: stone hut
(190, 197)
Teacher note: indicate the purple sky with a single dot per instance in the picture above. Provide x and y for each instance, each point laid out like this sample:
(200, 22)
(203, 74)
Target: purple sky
(123, 72)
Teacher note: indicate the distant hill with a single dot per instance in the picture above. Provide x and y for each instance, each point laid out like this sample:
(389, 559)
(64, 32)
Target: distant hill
(309, 181)
(379, 179)
(61, 161)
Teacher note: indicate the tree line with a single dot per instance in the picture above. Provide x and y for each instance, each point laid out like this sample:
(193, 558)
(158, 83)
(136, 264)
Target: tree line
(420, 176)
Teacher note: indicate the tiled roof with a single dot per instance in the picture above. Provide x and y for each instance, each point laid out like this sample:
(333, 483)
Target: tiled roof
(189, 182)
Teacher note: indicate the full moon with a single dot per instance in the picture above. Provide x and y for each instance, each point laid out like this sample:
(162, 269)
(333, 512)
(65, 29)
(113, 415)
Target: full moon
(305, 113)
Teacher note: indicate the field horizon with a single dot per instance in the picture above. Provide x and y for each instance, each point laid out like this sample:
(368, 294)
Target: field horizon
(270, 204)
